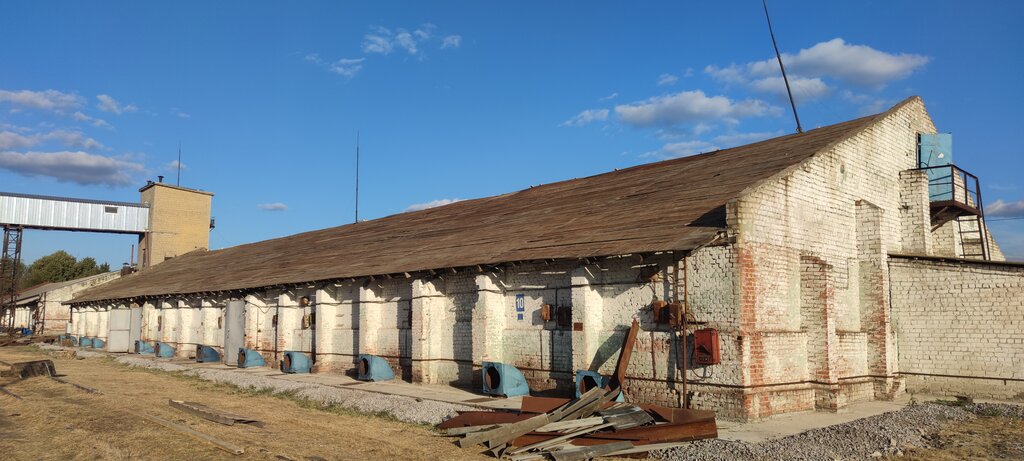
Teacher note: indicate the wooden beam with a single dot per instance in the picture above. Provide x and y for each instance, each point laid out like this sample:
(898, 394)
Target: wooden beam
(226, 446)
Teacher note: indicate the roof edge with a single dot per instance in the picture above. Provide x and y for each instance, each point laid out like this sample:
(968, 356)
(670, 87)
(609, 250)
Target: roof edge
(789, 170)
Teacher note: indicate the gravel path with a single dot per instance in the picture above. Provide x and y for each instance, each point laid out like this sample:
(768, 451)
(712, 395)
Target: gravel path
(408, 409)
(402, 408)
(867, 438)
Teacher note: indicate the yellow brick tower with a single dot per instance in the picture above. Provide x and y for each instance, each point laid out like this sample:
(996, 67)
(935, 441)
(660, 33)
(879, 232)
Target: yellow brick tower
(179, 222)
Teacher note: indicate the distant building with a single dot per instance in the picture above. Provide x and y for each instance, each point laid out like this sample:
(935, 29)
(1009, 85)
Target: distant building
(43, 308)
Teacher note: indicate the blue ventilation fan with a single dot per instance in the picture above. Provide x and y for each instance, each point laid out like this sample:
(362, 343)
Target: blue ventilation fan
(144, 348)
(587, 380)
(504, 379)
(249, 358)
(373, 368)
(164, 350)
(295, 362)
(207, 354)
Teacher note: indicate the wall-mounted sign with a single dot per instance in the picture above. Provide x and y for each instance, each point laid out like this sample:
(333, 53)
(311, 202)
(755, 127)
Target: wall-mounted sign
(520, 306)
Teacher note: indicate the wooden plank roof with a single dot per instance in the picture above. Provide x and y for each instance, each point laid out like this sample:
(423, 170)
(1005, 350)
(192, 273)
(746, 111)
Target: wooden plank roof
(669, 205)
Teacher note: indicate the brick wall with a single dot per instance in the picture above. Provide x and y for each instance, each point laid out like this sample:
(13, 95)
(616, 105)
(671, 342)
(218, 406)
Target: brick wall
(960, 326)
(844, 209)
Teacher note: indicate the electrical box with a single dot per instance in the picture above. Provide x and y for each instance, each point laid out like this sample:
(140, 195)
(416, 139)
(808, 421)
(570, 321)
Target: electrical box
(668, 313)
(561, 315)
(546, 313)
(705, 347)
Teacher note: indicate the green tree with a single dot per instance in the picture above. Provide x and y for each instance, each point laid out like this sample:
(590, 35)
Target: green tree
(61, 267)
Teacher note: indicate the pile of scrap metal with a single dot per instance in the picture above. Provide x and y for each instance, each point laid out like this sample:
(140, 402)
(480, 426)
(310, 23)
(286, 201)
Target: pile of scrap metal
(589, 426)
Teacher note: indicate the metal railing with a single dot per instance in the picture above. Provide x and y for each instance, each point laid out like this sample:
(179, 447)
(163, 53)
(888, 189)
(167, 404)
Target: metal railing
(948, 183)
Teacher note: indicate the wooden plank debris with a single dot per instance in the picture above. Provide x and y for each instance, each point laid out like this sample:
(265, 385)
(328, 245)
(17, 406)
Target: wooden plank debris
(31, 368)
(212, 414)
(5, 391)
(79, 386)
(226, 446)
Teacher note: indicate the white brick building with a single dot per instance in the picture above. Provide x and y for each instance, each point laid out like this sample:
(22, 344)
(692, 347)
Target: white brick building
(822, 259)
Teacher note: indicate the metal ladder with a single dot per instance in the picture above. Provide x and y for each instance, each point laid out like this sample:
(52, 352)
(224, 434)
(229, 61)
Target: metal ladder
(973, 243)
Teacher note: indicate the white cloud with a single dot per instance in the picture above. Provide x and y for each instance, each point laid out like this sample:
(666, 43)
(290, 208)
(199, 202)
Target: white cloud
(804, 89)
(109, 104)
(587, 116)
(78, 116)
(431, 204)
(451, 41)
(609, 97)
(382, 40)
(173, 166)
(179, 113)
(667, 79)
(50, 100)
(12, 140)
(276, 206)
(698, 146)
(347, 67)
(1003, 209)
(690, 106)
(684, 148)
(77, 167)
(856, 64)
(74, 139)
(739, 139)
(380, 44)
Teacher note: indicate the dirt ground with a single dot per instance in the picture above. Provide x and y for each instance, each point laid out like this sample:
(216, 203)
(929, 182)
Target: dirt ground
(988, 438)
(57, 421)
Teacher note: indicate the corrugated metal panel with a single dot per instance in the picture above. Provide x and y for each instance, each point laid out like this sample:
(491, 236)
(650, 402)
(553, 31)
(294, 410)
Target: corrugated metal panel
(72, 214)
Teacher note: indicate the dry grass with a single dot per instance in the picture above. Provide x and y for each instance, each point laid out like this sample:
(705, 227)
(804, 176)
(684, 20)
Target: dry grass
(59, 422)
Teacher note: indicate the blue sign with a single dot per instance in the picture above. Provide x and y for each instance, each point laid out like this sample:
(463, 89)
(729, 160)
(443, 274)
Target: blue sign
(520, 306)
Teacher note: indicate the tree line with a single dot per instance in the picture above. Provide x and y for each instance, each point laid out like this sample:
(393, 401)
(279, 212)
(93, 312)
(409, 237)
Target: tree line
(57, 267)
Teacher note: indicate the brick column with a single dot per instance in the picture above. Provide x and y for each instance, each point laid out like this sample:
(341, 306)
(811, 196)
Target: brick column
(428, 327)
(587, 318)
(915, 213)
(489, 321)
(369, 318)
(817, 309)
(874, 282)
(326, 313)
(289, 319)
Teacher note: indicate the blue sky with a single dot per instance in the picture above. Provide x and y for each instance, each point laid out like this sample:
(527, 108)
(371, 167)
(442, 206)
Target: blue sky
(457, 100)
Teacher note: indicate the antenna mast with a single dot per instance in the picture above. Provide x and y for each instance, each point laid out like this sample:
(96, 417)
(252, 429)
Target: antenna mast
(179, 163)
(357, 175)
(783, 68)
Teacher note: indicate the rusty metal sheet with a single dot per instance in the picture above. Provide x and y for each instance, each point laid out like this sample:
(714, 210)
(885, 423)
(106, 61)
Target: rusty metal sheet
(619, 377)
(480, 418)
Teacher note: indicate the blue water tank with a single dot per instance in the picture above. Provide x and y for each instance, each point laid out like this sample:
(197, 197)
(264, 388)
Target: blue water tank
(296, 362)
(85, 341)
(143, 347)
(504, 379)
(98, 343)
(249, 358)
(164, 350)
(373, 368)
(207, 354)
